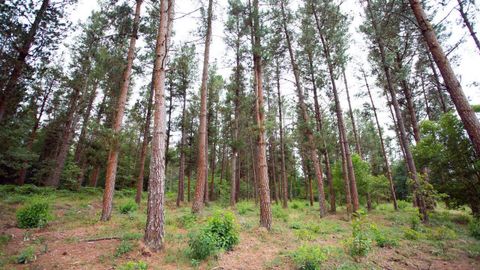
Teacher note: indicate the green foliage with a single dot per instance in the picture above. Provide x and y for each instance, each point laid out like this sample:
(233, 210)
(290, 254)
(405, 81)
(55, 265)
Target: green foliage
(140, 265)
(474, 228)
(359, 244)
(26, 256)
(441, 233)
(34, 215)
(415, 222)
(124, 247)
(382, 239)
(220, 233)
(244, 207)
(132, 236)
(70, 175)
(308, 257)
(304, 234)
(128, 207)
(4, 239)
(403, 204)
(279, 213)
(411, 234)
(187, 220)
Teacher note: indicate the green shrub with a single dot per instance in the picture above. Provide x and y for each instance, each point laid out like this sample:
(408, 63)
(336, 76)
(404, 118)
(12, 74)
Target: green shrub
(244, 207)
(381, 239)
(441, 233)
(34, 215)
(474, 228)
(128, 207)
(132, 236)
(411, 234)
(304, 234)
(26, 256)
(359, 244)
(415, 222)
(308, 257)
(403, 204)
(220, 233)
(279, 212)
(187, 220)
(140, 265)
(295, 225)
(124, 247)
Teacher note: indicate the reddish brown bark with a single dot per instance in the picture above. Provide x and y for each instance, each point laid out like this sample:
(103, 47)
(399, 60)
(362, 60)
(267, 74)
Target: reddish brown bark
(350, 113)
(155, 227)
(183, 141)
(200, 189)
(283, 169)
(112, 160)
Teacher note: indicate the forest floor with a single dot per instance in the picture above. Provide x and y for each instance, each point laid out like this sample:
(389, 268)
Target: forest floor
(76, 239)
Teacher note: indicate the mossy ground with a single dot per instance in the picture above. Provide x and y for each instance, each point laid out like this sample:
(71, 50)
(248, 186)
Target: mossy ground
(76, 239)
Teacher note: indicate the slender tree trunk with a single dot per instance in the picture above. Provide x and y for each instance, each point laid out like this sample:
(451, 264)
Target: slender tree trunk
(282, 143)
(425, 97)
(436, 79)
(263, 186)
(169, 127)
(213, 163)
(181, 170)
(400, 123)
(382, 144)
(155, 229)
(23, 52)
(469, 119)
(468, 24)
(22, 174)
(198, 201)
(346, 182)
(350, 112)
(306, 119)
(143, 151)
(112, 161)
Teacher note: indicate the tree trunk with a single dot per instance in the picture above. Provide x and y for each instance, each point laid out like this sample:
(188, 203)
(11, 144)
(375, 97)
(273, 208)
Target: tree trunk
(23, 52)
(469, 119)
(400, 123)
(350, 112)
(112, 161)
(425, 97)
(468, 24)
(94, 176)
(155, 229)
(143, 151)
(22, 174)
(382, 144)
(198, 201)
(282, 143)
(169, 127)
(181, 169)
(263, 187)
(306, 119)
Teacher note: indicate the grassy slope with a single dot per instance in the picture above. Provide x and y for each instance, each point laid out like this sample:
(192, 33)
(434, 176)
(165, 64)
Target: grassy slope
(75, 239)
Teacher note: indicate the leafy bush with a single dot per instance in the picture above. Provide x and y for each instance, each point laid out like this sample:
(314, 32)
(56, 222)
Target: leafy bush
(123, 248)
(295, 225)
(187, 220)
(128, 207)
(27, 255)
(244, 207)
(403, 204)
(441, 233)
(140, 265)
(304, 234)
(220, 233)
(34, 215)
(279, 212)
(411, 234)
(308, 257)
(415, 222)
(474, 228)
(359, 244)
(381, 239)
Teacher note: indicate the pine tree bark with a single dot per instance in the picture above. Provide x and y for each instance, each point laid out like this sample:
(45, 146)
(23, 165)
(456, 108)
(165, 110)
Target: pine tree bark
(263, 186)
(382, 144)
(155, 227)
(23, 52)
(169, 127)
(198, 200)
(112, 161)
(282, 143)
(306, 120)
(467, 115)
(145, 141)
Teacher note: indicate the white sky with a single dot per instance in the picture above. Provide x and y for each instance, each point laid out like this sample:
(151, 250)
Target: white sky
(467, 69)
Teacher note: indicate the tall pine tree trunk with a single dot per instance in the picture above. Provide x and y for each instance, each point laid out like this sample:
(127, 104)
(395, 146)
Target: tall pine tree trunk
(282, 143)
(469, 119)
(198, 200)
(155, 227)
(467, 23)
(312, 149)
(350, 112)
(112, 162)
(181, 169)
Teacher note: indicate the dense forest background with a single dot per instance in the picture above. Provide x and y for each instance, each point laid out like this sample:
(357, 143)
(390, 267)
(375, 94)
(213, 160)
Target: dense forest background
(346, 105)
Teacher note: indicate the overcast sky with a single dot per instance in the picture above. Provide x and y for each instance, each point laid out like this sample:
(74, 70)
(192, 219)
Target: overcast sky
(467, 67)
